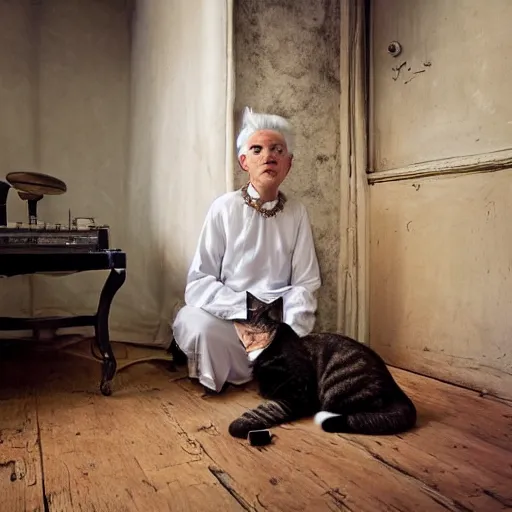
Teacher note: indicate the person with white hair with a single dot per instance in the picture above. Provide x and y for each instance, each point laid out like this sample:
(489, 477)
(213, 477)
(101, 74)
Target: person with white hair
(253, 240)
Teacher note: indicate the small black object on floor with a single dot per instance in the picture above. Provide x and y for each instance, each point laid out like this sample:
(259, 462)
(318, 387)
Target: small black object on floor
(259, 437)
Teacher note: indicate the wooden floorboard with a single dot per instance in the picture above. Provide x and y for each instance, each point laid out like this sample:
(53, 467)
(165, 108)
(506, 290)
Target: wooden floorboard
(21, 482)
(159, 444)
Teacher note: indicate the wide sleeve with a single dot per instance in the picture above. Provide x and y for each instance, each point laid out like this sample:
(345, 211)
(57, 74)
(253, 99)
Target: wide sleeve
(204, 287)
(300, 301)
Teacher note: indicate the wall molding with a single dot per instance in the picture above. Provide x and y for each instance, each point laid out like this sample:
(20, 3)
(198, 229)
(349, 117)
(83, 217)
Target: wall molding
(483, 162)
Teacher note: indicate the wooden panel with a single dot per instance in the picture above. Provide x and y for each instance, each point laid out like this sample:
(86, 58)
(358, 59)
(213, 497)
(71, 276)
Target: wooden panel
(485, 162)
(441, 277)
(451, 94)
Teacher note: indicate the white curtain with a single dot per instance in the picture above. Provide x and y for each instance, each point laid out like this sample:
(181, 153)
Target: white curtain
(131, 105)
(181, 147)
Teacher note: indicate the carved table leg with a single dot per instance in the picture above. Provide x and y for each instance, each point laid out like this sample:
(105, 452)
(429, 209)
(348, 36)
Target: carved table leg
(114, 281)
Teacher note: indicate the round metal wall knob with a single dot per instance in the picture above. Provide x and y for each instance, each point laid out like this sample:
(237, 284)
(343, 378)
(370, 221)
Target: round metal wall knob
(394, 48)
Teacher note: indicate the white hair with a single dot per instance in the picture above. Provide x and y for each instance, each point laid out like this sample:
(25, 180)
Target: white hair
(253, 121)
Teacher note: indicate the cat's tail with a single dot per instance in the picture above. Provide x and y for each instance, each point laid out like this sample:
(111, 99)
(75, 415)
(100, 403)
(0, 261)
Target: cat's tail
(397, 417)
(266, 415)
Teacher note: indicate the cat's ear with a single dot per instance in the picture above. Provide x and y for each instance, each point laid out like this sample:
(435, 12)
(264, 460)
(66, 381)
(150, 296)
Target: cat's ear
(253, 302)
(278, 303)
(253, 305)
(276, 309)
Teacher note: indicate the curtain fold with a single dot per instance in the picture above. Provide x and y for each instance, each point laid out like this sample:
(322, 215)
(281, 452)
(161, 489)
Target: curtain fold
(181, 119)
(353, 281)
(189, 87)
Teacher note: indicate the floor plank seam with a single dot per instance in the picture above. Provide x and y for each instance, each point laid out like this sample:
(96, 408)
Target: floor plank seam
(46, 501)
(224, 480)
(220, 475)
(339, 499)
(500, 499)
(432, 492)
(193, 441)
(334, 493)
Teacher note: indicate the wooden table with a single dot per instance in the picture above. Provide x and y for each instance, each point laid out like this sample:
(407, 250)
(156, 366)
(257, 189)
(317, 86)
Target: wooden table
(26, 262)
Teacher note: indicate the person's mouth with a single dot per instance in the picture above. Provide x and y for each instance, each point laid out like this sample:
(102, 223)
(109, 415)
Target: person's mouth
(270, 168)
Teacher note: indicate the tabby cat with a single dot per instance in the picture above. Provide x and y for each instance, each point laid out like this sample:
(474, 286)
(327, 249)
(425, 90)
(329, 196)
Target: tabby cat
(344, 383)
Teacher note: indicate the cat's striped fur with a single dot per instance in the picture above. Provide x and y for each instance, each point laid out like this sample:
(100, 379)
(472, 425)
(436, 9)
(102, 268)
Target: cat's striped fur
(342, 380)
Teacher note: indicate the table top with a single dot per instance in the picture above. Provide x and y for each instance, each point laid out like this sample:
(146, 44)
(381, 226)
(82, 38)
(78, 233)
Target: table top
(17, 263)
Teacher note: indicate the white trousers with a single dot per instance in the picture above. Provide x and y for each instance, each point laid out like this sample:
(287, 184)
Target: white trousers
(215, 354)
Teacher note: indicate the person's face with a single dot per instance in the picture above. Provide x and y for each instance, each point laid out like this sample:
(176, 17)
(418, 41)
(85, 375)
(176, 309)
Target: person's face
(267, 159)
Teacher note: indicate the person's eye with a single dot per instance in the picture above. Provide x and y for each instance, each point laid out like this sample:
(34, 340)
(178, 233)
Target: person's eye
(256, 150)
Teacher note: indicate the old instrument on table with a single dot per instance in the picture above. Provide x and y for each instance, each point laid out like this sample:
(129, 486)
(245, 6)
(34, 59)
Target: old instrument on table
(40, 237)
(53, 238)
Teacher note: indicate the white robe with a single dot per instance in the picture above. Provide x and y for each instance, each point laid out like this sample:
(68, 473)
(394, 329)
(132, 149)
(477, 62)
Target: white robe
(239, 250)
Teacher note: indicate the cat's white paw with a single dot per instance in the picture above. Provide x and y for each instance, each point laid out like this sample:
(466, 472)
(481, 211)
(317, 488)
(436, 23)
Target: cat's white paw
(321, 416)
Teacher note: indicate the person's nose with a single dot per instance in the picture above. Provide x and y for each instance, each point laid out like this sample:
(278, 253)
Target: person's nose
(269, 154)
(266, 153)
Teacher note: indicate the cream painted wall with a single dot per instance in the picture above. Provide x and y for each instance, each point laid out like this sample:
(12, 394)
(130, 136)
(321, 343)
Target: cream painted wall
(65, 69)
(16, 126)
(69, 62)
(441, 277)
(83, 74)
(447, 93)
(287, 62)
(440, 243)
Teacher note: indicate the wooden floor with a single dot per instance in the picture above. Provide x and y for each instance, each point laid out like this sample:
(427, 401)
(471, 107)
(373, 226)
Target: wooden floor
(158, 444)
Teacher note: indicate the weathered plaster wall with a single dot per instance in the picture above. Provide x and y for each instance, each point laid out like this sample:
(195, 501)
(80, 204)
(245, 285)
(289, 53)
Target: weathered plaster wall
(287, 62)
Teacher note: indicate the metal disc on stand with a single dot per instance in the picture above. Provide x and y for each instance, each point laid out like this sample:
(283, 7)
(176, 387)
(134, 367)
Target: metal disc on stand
(36, 183)
(32, 186)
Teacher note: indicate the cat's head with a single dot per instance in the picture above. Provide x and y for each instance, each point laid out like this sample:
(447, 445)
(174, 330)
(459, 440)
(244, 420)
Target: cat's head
(260, 327)
(262, 314)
